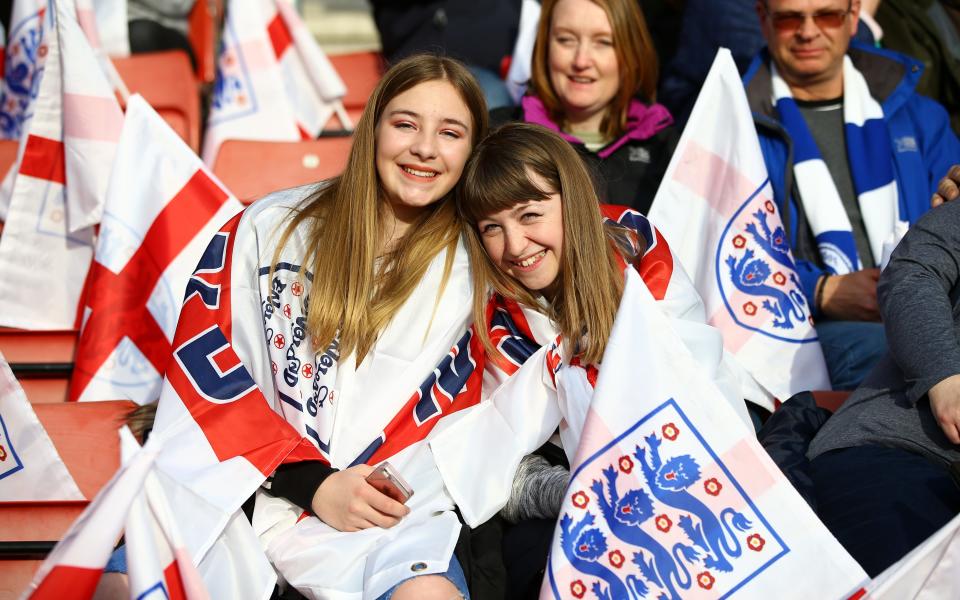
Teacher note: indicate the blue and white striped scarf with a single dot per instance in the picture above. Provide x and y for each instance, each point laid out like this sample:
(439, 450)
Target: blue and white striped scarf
(871, 168)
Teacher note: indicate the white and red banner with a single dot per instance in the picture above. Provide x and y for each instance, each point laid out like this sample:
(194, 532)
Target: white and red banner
(715, 206)
(105, 23)
(162, 208)
(133, 503)
(60, 186)
(274, 83)
(671, 495)
(31, 470)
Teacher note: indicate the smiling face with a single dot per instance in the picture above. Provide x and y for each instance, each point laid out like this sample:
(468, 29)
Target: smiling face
(423, 139)
(526, 240)
(582, 63)
(809, 57)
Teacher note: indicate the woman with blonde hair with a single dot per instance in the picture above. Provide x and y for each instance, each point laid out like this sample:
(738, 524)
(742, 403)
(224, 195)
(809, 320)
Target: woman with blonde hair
(341, 302)
(593, 81)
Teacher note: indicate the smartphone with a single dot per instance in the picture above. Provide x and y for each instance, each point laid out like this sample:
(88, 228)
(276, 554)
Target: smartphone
(388, 481)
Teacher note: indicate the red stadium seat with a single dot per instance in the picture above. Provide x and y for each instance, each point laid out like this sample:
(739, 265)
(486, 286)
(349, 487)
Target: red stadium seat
(8, 155)
(85, 436)
(166, 81)
(203, 25)
(830, 400)
(360, 71)
(251, 169)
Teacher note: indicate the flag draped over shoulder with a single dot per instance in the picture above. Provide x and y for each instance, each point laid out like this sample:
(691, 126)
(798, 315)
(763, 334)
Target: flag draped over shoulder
(273, 81)
(31, 470)
(162, 207)
(670, 494)
(60, 186)
(715, 206)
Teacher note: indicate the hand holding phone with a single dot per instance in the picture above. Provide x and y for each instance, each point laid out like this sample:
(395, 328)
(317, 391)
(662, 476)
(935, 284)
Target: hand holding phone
(388, 481)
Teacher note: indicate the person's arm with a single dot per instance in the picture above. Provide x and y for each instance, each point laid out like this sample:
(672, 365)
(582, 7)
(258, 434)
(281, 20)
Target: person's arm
(915, 300)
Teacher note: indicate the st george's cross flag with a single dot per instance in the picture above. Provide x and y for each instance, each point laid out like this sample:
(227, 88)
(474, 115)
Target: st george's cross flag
(60, 185)
(670, 496)
(273, 83)
(31, 469)
(715, 207)
(162, 207)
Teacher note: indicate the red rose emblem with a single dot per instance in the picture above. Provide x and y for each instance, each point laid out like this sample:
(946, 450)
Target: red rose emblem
(755, 542)
(664, 523)
(670, 431)
(739, 241)
(616, 559)
(578, 589)
(769, 206)
(580, 500)
(750, 308)
(712, 486)
(779, 278)
(626, 464)
(706, 580)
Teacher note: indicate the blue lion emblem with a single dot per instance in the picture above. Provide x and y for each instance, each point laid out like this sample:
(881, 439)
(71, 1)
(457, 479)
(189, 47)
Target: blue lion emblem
(669, 483)
(21, 80)
(584, 548)
(766, 271)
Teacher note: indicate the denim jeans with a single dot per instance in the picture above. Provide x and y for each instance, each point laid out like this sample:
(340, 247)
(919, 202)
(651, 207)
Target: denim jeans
(851, 349)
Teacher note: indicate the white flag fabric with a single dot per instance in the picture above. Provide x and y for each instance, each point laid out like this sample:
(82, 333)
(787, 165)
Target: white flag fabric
(931, 571)
(274, 83)
(60, 185)
(106, 22)
(520, 65)
(162, 208)
(31, 470)
(715, 206)
(74, 566)
(670, 494)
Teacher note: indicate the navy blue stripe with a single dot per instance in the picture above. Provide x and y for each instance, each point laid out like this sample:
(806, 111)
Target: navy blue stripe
(291, 401)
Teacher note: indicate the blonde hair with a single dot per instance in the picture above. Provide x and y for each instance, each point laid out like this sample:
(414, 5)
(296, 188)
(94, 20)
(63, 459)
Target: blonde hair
(497, 177)
(354, 300)
(636, 62)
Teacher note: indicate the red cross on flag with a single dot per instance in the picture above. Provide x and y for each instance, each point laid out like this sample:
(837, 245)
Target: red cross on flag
(60, 186)
(162, 208)
(274, 83)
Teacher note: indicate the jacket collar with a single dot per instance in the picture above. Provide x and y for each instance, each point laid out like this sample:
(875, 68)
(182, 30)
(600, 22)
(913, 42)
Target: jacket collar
(643, 122)
(891, 77)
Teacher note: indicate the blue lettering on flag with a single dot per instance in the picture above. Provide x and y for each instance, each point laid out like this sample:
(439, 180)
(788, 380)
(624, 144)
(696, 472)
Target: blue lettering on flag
(212, 261)
(196, 358)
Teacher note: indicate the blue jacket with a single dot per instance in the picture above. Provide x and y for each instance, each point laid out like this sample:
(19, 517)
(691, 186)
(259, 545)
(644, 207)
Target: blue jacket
(923, 144)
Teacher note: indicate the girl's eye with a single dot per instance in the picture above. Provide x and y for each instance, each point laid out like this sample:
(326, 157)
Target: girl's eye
(529, 216)
(488, 228)
(564, 39)
(605, 42)
(403, 125)
(452, 134)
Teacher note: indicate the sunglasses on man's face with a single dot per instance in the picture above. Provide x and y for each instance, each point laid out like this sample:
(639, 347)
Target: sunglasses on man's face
(789, 22)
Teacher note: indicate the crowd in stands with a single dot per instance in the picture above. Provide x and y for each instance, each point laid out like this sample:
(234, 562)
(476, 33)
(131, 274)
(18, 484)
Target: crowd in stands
(434, 225)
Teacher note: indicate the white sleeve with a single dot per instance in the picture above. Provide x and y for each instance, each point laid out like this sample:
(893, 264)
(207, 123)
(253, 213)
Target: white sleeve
(478, 453)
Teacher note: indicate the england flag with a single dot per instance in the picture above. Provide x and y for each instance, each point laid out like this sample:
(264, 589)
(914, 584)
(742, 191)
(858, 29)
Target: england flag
(715, 206)
(60, 185)
(162, 207)
(273, 81)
